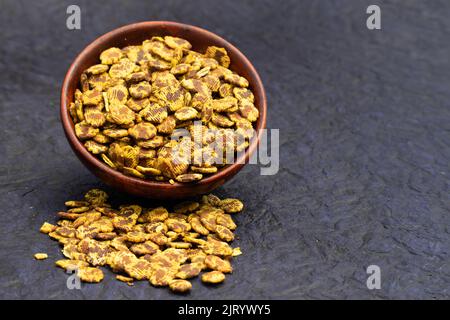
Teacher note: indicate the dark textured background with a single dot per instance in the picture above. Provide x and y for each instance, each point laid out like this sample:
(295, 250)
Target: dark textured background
(364, 146)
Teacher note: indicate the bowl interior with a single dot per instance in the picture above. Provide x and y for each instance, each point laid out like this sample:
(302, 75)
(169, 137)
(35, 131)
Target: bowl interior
(135, 34)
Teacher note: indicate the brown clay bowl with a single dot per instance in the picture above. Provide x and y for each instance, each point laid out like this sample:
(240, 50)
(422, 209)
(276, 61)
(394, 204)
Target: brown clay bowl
(134, 34)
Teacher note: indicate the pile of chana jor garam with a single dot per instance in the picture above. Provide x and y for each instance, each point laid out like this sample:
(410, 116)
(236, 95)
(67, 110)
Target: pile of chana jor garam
(166, 248)
(133, 110)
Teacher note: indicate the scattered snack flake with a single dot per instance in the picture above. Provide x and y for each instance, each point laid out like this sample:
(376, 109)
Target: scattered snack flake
(162, 111)
(127, 280)
(163, 246)
(213, 277)
(89, 274)
(47, 228)
(180, 286)
(41, 256)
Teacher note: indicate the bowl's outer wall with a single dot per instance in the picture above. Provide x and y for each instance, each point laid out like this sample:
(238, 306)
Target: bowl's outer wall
(132, 35)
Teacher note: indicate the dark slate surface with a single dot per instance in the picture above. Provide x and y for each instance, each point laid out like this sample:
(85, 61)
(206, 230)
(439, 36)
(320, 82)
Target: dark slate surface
(364, 146)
